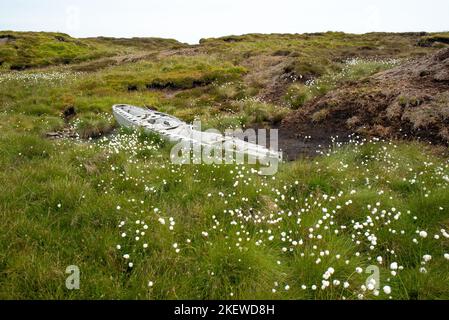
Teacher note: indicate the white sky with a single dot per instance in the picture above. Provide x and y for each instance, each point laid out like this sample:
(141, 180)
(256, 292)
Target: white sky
(188, 21)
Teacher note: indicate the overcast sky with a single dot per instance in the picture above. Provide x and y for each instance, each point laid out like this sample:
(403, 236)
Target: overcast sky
(189, 21)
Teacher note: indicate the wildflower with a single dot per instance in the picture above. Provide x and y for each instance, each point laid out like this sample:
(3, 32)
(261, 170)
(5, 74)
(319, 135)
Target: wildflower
(150, 283)
(119, 247)
(427, 257)
(387, 289)
(161, 220)
(423, 234)
(394, 266)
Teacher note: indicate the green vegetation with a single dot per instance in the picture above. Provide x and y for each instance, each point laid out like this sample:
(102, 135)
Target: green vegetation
(20, 51)
(63, 202)
(24, 50)
(140, 227)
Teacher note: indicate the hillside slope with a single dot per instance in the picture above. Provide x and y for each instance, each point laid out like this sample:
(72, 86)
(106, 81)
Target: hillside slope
(25, 50)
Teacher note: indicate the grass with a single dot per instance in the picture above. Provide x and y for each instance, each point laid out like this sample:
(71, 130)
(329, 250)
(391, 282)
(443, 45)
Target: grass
(352, 70)
(24, 50)
(63, 203)
(210, 232)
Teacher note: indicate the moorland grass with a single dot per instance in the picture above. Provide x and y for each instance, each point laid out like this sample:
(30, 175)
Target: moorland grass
(203, 231)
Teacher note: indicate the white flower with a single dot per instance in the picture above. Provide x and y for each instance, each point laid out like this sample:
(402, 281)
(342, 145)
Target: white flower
(446, 256)
(130, 264)
(379, 259)
(287, 287)
(119, 247)
(118, 207)
(427, 257)
(394, 266)
(150, 283)
(358, 270)
(161, 220)
(387, 289)
(205, 234)
(423, 234)
(126, 256)
(346, 285)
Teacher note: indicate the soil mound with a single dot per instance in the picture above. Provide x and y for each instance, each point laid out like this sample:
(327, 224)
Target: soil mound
(408, 101)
